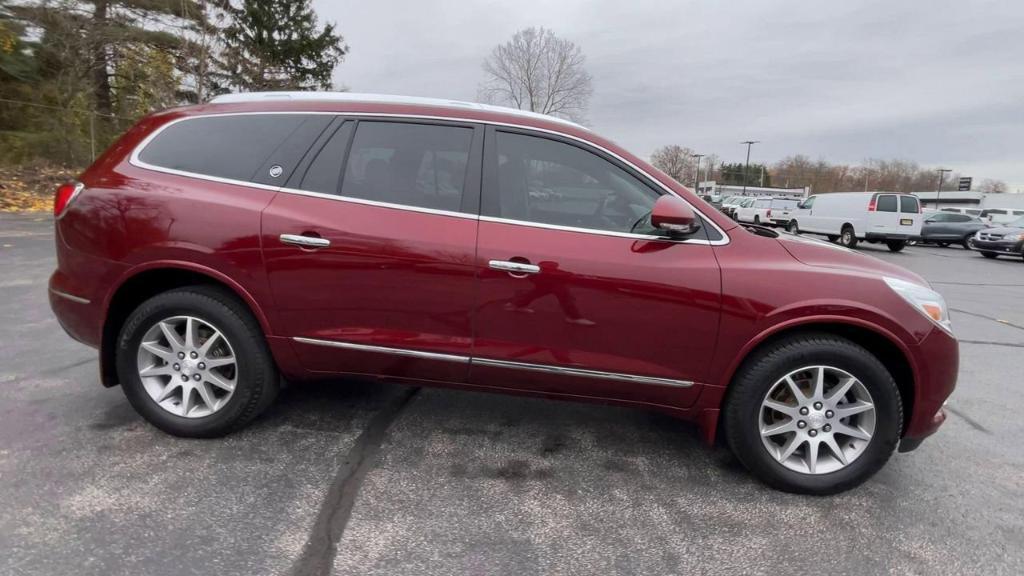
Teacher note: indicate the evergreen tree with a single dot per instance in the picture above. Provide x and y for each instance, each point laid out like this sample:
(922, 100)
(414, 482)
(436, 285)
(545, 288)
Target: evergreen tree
(278, 45)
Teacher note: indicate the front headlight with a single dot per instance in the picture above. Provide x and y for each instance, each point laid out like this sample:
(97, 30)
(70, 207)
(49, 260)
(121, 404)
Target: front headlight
(924, 299)
(1013, 237)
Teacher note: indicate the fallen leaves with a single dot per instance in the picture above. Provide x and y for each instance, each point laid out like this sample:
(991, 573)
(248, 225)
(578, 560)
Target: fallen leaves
(30, 188)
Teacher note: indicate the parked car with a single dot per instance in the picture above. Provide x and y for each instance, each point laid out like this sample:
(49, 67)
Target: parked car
(743, 202)
(853, 216)
(215, 249)
(1005, 240)
(713, 199)
(1001, 215)
(730, 204)
(968, 211)
(767, 211)
(945, 228)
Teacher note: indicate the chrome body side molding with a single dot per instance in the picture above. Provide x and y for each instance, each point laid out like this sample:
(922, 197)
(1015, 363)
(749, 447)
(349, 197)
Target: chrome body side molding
(550, 369)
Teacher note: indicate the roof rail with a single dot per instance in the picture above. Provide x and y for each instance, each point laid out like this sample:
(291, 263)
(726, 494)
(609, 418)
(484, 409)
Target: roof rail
(383, 99)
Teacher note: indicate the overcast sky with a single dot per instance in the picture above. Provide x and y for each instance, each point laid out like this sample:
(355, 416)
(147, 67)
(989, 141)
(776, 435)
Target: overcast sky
(936, 82)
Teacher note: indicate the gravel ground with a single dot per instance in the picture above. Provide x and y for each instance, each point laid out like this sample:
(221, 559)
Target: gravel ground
(353, 478)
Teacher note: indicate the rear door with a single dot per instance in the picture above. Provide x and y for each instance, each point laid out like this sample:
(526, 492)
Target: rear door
(911, 218)
(884, 218)
(370, 249)
(578, 295)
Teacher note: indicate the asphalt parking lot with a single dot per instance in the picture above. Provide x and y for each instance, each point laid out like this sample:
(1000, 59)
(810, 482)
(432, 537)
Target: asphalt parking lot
(352, 478)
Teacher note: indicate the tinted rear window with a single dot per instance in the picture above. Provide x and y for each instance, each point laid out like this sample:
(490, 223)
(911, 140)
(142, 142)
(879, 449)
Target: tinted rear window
(886, 203)
(223, 146)
(908, 204)
(412, 164)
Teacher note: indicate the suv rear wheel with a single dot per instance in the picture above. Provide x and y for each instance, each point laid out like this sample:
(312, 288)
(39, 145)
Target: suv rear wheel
(793, 227)
(813, 414)
(194, 363)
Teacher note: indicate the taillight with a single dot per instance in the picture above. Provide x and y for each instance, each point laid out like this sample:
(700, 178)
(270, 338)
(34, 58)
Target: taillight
(871, 205)
(769, 213)
(65, 195)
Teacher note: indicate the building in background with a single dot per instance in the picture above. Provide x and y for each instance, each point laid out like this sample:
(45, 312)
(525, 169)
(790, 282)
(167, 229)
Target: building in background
(712, 188)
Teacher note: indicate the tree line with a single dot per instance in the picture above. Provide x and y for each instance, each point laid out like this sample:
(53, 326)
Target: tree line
(820, 176)
(74, 74)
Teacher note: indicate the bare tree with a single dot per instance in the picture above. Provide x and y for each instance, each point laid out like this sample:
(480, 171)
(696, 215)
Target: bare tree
(991, 186)
(676, 161)
(539, 72)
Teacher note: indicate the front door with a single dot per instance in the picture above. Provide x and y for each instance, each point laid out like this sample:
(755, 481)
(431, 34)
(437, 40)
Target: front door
(578, 295)
(370, 253)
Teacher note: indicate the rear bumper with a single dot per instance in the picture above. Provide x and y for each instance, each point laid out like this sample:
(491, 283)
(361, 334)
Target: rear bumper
(77, 312)
(1015, 248)
(886, 236)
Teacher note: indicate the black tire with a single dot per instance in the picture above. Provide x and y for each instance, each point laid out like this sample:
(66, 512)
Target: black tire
(990, 254)
(766, 366)
(832, 237)
(793, 227)
(896, 245)
(757, 220)
(257, 380)
(966, 242)
(847, 237)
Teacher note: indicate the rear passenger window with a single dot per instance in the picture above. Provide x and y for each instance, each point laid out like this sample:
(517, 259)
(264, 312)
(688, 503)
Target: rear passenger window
(886, 203)
(418, 165)
(908, 205)
(231, 147)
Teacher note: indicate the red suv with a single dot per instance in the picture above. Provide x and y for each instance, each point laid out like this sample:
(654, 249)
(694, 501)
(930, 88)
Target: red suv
(215, 249)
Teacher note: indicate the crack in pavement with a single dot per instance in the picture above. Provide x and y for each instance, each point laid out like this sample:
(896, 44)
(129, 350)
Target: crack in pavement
(978, 284)
(986, 317)
(50, 371)
(321, 548)
(991, 343)
(970, 421)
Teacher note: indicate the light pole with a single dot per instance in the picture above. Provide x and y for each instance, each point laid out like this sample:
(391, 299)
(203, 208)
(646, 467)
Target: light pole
(746, 167)
(938, 191)
(696, 174)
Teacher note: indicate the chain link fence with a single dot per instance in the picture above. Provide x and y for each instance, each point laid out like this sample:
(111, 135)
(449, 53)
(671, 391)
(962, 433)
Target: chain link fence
(31, 132)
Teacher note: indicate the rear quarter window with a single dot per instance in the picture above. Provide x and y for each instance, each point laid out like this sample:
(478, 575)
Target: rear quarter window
(886, 203)
(909, 205)
(232, 147)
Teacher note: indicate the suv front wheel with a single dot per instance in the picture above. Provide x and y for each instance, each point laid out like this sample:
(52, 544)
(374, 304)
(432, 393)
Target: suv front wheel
(813, 414)
(194, 363)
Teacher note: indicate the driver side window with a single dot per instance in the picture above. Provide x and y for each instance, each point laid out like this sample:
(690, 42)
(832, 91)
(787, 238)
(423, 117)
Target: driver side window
(550, 182)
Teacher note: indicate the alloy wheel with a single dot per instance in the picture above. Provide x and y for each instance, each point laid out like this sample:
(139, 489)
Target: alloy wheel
(187, 366)
(817, 420)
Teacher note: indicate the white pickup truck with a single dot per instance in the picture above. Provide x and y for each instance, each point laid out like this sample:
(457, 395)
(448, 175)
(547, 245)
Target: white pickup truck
(767, 211)
(849, 217)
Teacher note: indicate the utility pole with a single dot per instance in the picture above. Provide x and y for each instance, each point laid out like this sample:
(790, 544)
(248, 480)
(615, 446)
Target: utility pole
(696, 174)
(746, 167)
(938, 191)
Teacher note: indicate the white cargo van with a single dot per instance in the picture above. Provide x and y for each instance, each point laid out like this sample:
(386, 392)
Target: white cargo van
(886, 217)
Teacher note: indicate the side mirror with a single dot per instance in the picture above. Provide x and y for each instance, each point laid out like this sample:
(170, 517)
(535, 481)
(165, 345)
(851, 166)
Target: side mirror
(674, 216)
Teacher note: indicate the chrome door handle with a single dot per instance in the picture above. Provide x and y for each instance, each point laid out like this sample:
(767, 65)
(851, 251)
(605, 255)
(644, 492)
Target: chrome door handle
(304, 241)
(514, 267)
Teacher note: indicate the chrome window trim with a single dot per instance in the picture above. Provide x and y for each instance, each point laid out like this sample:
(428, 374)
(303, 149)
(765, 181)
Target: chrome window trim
(547, 368)
(72, 297)
(134, 160)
